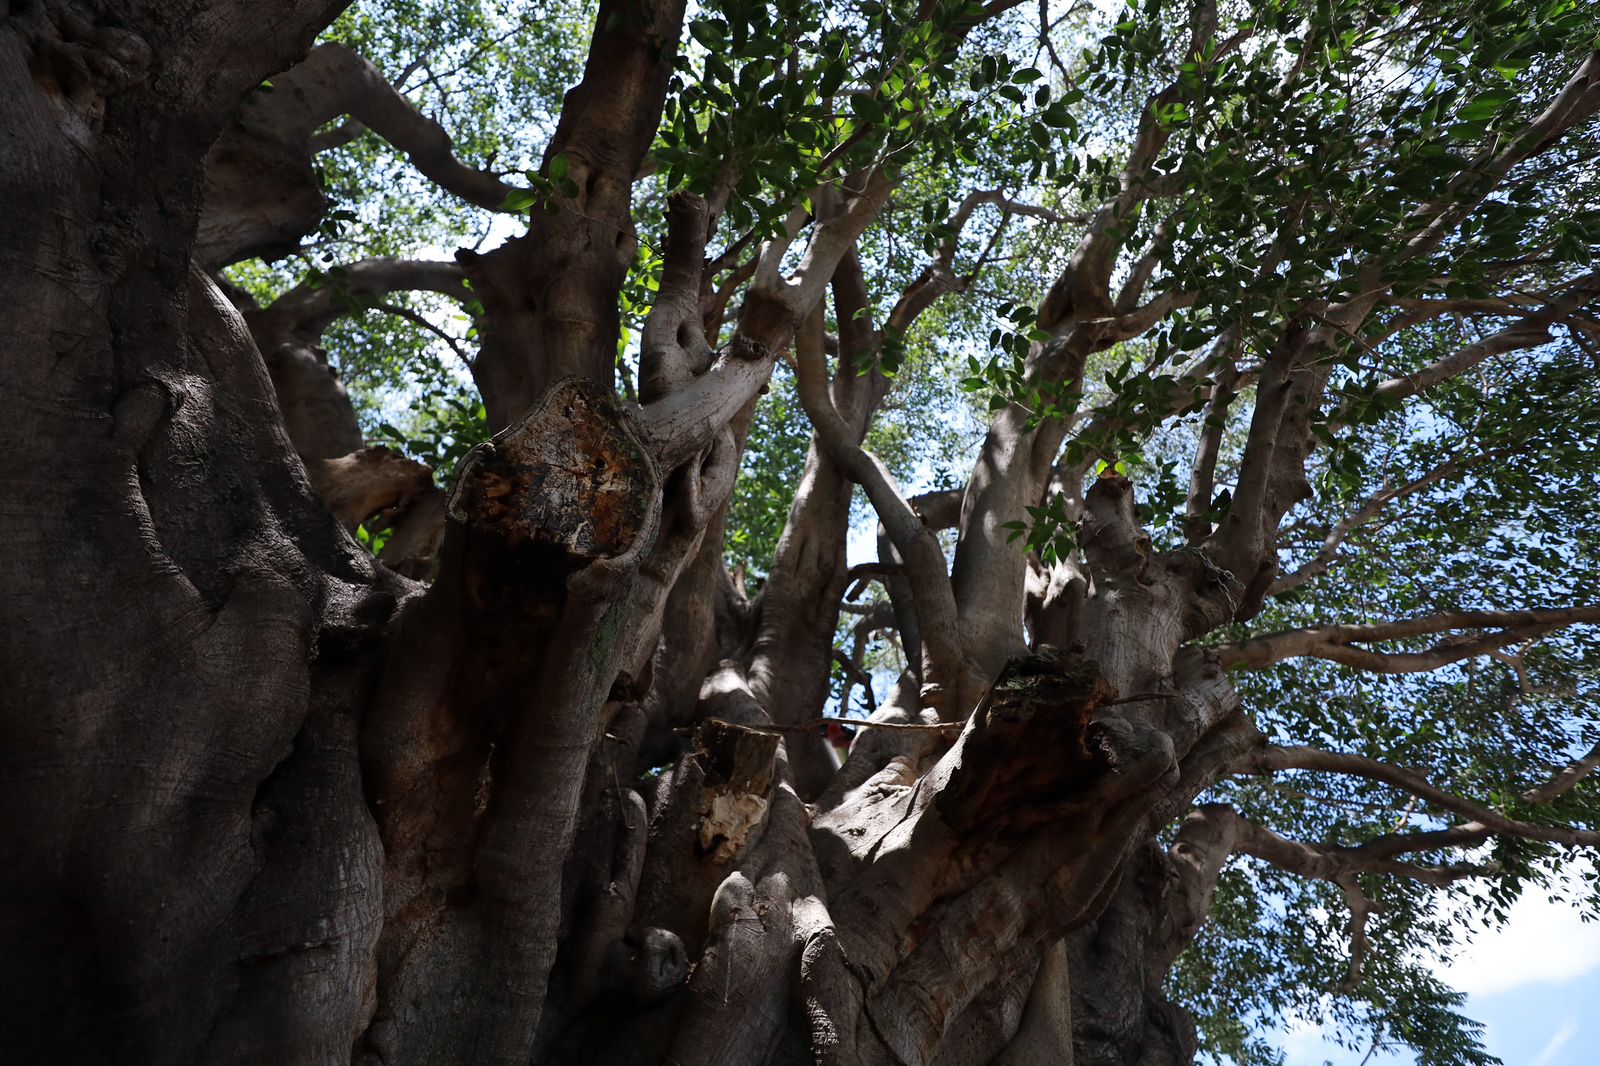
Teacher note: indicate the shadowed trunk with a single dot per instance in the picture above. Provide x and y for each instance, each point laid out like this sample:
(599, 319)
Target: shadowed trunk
(376, 780)
(540, 783)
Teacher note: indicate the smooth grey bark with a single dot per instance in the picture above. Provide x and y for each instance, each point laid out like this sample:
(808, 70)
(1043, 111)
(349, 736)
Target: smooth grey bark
(791, 658)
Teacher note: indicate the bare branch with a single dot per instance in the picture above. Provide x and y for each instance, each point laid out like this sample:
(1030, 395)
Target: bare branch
(714, 311)
(1144, 267)
(1564, 781)
(809, 725)
(673, 346)
(550, 294)
(1421, 309)
(1321, 861)
(334, 81)
(939, 277)
(1360, 909)
(1203, 474)
(337, 136)
(862, 573)
(1082, 291)
(1318, 564)
(854, 675)
(309, 308)
(1532, 330)
(1273, 758)
(1473, 833)
(856, 394)
(917, 545)
(421, 321)
(853, 207)
(365, 482)
(1271, 474)
(681, 422)
(1337, 642)
(1213, 831)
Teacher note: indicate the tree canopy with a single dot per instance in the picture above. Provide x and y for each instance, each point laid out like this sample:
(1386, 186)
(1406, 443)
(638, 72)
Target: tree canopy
(1404, 196)
(1227, 374)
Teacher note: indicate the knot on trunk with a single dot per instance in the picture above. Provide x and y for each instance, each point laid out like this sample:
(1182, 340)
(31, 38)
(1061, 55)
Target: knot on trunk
(646, 965)
(748, 349)
(365, 482)
(80, 52)
(1031, 743)
(1114, 543)
(571, 475)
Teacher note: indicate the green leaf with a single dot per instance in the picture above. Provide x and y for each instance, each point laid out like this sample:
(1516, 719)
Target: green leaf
(1483, 107)
(519, 200)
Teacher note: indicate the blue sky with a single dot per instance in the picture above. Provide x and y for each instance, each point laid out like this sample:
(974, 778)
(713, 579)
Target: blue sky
(1535, 984)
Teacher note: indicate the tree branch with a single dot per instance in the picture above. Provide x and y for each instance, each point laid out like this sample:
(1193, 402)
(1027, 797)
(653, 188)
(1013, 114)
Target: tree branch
(1329, 863)
(309, 308)
(917, 546)
(673, 346)
(680, 423)
(419, 320)
(1473, 833)
(1336, 642)
(1564, 781)
(939, 277)
(1318, 564)
(1082, 291)
(1272, 758)
(1530, 331)
(1272, 475)
(1203, 474)
(1578, 99)
(1212, 831)
(357, 88)
(262, 194)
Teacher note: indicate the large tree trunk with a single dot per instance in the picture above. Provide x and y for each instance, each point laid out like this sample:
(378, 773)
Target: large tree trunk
(266, 800)
(192, 870)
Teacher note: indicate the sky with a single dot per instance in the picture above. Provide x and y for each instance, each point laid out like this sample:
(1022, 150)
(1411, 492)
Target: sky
(1534, 983)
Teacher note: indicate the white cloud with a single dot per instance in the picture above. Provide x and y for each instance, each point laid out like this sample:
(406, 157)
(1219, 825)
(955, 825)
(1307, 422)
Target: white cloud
(1557, 1042)
(1541, 943)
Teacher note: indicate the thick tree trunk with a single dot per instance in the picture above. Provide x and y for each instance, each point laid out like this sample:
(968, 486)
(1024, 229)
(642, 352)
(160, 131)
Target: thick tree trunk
(1119, 962)
(265, 800)
(189, 638)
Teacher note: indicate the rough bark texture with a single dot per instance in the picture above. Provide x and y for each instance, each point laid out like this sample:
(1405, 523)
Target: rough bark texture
(265, 798)
(192, 869)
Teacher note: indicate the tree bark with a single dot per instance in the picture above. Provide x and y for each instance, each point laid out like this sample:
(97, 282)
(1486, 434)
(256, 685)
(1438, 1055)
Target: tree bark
(200, 878)
(265, 799)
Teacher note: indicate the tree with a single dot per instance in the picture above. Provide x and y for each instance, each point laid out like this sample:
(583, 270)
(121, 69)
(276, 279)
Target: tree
(505, 740)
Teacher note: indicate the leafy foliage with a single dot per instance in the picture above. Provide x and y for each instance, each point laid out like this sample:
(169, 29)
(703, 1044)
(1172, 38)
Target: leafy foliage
(1279, 169)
